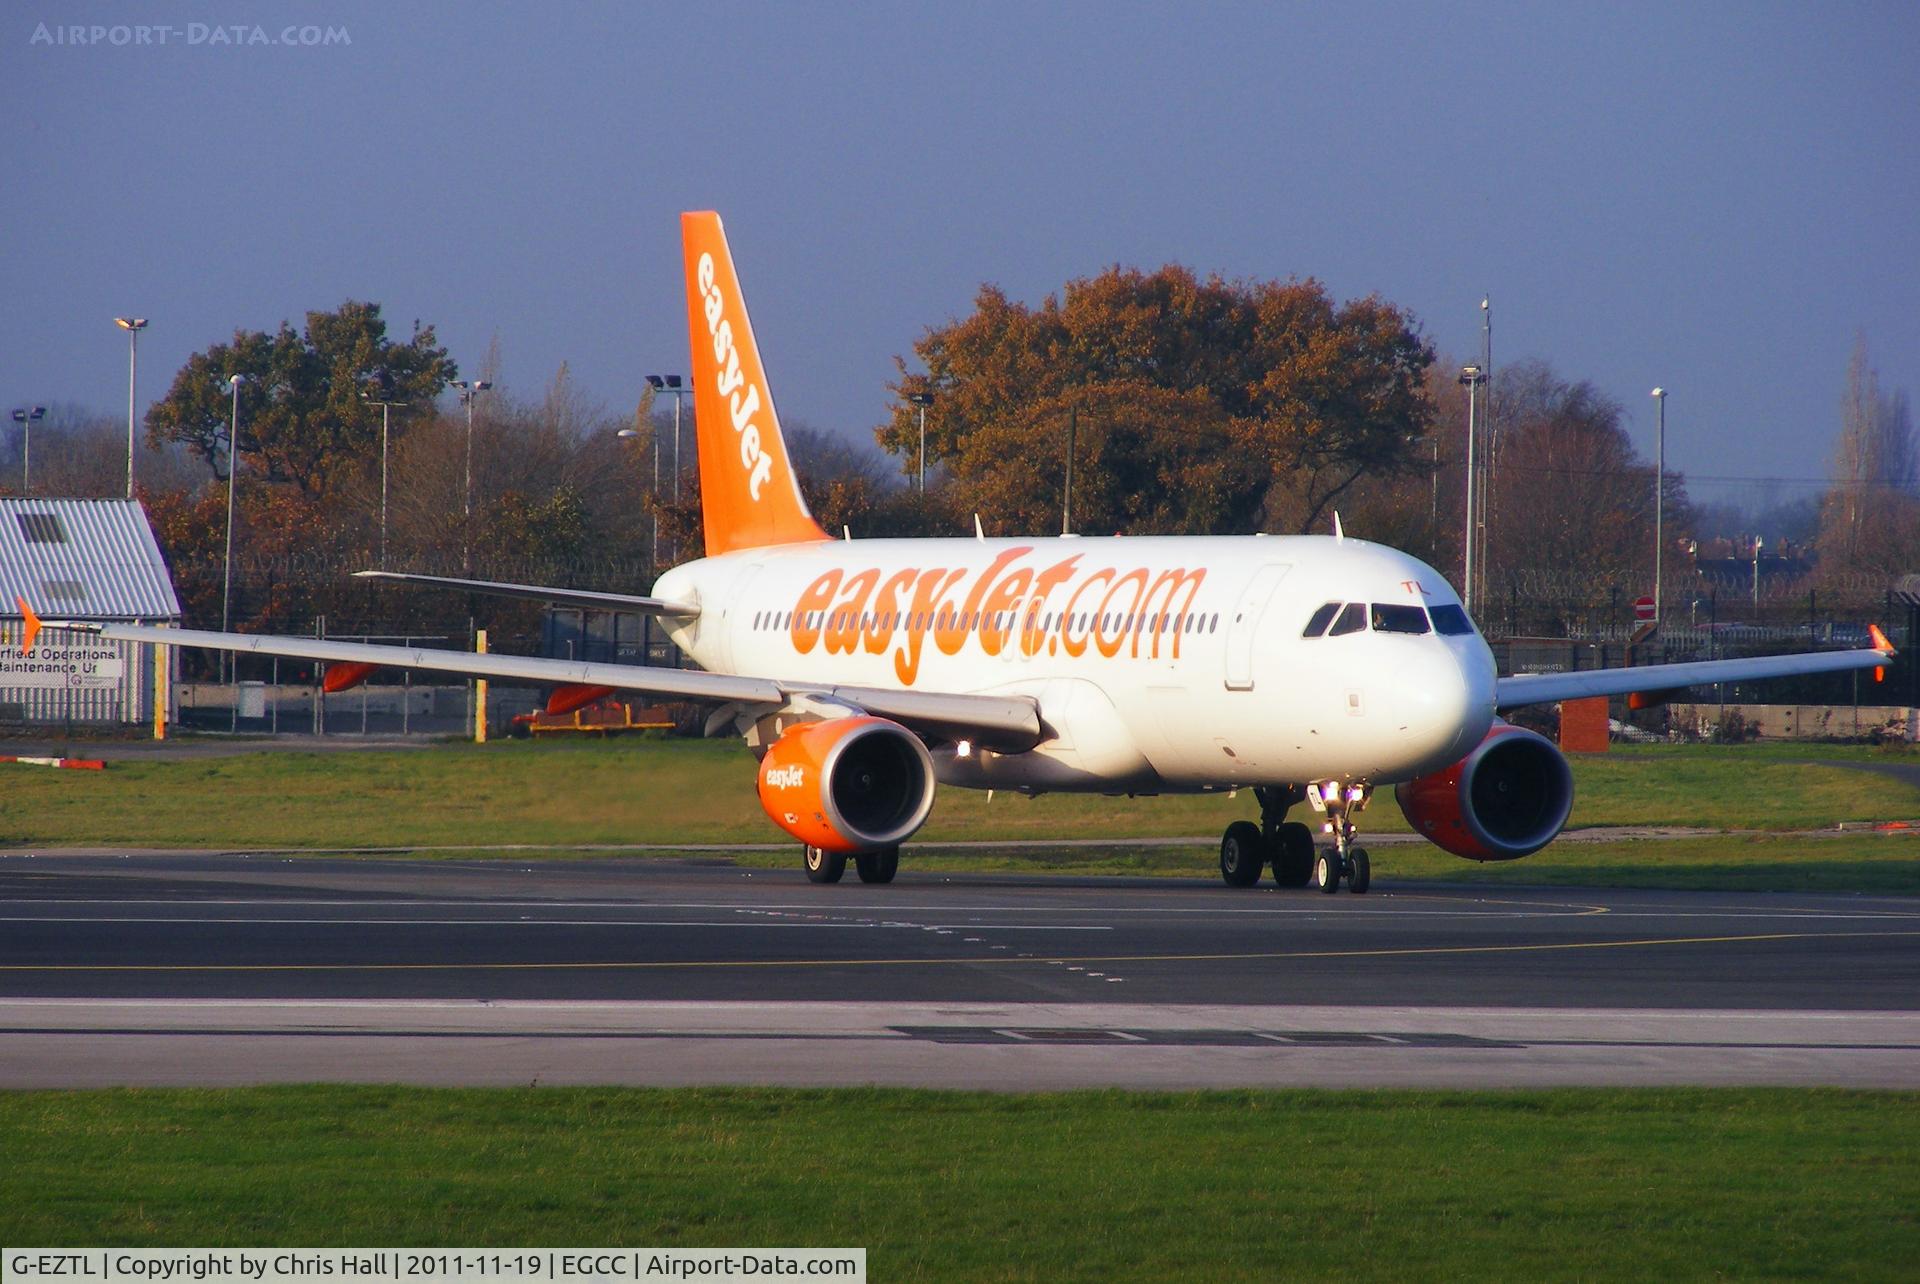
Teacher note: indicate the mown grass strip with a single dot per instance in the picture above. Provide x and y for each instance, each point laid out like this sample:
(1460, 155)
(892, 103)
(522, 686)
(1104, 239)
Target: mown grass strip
(639, 791)
(1309, 1184)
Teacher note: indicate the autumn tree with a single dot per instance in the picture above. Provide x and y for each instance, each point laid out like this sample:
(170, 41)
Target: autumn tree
(305, 418)
(1307, 396)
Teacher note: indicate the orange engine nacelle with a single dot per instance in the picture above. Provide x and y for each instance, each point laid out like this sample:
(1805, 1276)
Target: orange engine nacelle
(1506, 799)
(848, 784)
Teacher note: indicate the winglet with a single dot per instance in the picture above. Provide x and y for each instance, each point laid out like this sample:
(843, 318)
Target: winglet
(1884, 646)
(33, 625)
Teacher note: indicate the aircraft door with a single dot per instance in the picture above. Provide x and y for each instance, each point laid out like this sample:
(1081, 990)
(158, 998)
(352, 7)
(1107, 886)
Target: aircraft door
(1243, 625)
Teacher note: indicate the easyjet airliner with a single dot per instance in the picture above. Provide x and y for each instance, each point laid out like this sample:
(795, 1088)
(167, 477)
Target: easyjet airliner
(865, 673)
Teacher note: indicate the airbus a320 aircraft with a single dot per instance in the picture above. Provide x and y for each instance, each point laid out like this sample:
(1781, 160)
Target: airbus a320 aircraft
(864, 673)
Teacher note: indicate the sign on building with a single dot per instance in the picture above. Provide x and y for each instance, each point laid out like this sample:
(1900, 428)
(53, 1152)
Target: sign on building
(79, 667)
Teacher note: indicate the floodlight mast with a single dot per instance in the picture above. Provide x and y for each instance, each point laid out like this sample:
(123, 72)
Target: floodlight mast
(133, 326)
(1659, 501)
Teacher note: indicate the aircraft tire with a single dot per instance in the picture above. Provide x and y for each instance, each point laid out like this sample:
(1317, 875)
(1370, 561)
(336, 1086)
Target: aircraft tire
(1326, 871)
(824, 866)
(1293, 855)
(1360, 875)
(1240, 854)
(877, 867)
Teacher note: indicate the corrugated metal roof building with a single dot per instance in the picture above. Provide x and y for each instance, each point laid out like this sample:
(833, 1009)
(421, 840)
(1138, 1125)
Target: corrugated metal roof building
(79, 559)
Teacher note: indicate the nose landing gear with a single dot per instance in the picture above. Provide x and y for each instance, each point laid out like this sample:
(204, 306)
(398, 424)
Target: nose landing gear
(1345, 859)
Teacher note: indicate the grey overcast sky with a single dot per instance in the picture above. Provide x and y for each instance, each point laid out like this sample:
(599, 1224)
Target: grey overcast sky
(1713, 197)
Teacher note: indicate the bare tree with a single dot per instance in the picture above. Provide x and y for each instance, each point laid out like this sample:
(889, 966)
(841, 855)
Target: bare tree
(1870, 519)
(1572, 500)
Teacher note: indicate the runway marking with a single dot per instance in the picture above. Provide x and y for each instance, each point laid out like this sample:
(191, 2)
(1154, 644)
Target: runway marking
(971, 960)
(1547, 909)
(547, 922)
(1142, 1037)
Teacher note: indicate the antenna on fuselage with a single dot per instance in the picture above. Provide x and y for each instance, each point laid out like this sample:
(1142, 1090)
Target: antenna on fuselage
(978, 531)
(1337, 532)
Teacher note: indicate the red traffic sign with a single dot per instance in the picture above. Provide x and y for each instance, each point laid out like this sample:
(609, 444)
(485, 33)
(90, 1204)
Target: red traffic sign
(1643, 608)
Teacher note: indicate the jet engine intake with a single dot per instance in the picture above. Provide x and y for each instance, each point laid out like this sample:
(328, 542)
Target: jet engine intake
(848, 785)
(1507, 799)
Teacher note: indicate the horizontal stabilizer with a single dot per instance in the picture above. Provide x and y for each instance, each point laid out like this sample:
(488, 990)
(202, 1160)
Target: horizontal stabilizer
(585, 599)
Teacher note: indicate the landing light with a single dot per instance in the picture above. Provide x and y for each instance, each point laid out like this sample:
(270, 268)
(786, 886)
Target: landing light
(964, 749)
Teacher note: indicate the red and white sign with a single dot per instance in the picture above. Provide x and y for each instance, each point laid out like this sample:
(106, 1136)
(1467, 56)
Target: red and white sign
(1643, 608)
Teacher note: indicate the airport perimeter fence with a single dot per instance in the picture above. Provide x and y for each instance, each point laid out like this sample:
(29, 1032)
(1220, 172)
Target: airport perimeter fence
(271, 695)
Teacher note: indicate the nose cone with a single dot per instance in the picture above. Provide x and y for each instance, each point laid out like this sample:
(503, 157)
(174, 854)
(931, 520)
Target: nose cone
(1444, 699)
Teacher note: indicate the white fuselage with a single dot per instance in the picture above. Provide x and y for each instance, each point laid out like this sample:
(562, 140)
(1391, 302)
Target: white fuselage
(1158, 663)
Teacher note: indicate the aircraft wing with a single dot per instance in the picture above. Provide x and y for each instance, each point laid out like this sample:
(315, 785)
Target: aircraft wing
(1547, 688)
(592, 601)
(1008, 723)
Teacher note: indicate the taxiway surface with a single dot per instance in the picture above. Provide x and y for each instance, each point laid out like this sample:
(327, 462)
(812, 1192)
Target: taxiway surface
(232, 968)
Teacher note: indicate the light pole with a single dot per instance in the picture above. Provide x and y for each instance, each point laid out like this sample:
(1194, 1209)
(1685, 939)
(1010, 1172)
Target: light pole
(671, 384)
(921, 400)
(1472, 377)
(1659, 498)
(386, 410)
(233, 455)
(1073, 445)
(27, 417)
(133, 326)
(667, 384)
(470, 389)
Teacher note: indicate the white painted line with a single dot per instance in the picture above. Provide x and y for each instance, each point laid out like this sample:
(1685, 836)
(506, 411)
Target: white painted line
(538, 922)
(936, 907)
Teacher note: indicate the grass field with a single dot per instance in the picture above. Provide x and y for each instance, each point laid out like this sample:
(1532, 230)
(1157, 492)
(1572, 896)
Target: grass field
(1387, 1185)
(655, 791)
(659, 791)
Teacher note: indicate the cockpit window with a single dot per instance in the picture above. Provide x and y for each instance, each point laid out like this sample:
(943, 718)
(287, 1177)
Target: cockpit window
(1451, 620)
(1398, 619)
(1321, 618)
(1352, 620)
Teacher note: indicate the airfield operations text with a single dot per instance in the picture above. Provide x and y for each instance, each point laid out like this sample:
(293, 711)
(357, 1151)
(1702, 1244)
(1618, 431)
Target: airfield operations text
(428, 1266)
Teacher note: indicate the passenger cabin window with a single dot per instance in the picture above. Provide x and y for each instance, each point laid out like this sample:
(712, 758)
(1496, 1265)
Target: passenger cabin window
(1321, 618)
(1398, 619)
(1451, 620)
(1352, 620)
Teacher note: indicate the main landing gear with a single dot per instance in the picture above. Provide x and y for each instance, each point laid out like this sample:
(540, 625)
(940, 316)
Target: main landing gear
(824, 866)
(1285, 845)
(1288, 845)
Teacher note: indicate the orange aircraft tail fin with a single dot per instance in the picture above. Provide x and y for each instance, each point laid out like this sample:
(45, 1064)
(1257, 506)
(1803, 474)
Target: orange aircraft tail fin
(749, 495)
